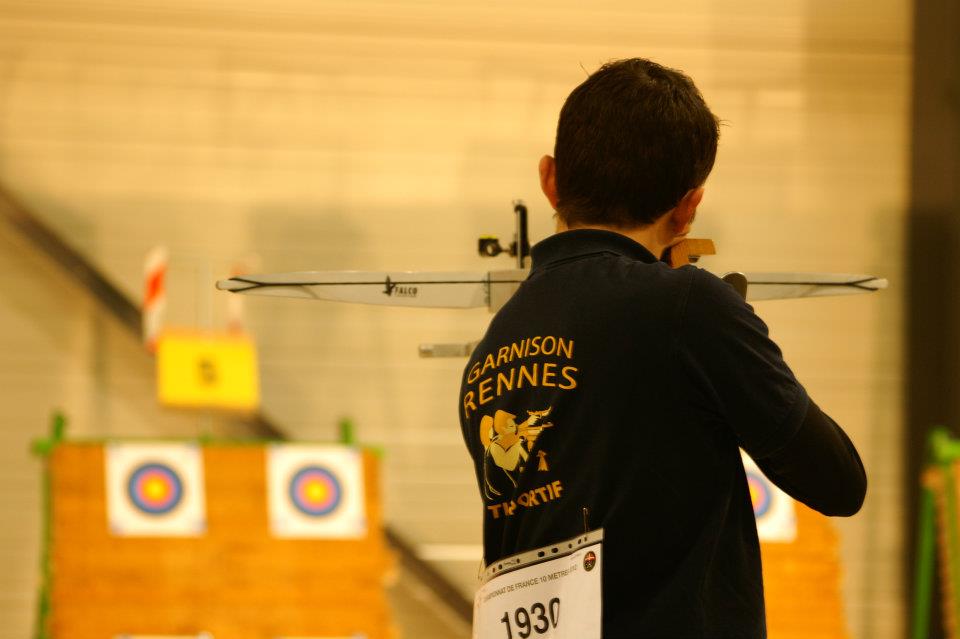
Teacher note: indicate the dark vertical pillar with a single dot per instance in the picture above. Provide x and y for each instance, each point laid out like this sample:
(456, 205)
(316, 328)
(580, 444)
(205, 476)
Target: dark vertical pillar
(932, 294)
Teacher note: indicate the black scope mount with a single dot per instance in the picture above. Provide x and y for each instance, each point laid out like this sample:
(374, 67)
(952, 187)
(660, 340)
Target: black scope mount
(489, 246)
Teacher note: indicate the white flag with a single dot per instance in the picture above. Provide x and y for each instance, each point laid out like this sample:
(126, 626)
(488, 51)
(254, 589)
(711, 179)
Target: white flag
(154, 295)
(316, 491)
(773, 508)
(155, 490)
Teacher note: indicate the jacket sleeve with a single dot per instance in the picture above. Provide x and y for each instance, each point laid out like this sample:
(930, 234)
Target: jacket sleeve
(819, 466)
(741, 375)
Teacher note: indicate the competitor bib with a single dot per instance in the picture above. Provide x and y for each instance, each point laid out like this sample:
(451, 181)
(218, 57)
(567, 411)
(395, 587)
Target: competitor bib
(552, 592)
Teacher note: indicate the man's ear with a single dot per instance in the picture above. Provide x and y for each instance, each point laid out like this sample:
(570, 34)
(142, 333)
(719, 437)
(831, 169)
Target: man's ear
(686, 210)
(548, 179)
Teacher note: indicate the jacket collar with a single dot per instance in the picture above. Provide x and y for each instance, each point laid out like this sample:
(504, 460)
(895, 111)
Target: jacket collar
(581, 242)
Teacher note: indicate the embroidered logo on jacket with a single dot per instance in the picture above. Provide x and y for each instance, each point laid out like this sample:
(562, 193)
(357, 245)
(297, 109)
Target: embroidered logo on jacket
(508, 436)
(507, 446)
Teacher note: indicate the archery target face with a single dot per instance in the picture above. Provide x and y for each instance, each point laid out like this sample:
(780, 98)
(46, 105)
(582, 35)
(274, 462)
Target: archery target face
(774, 509)
(316, 491)
(759, 494)
(155, 490)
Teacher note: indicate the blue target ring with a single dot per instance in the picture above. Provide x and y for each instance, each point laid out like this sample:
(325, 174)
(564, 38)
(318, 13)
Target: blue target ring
(315, 491)
(760, 494)
(154, 488)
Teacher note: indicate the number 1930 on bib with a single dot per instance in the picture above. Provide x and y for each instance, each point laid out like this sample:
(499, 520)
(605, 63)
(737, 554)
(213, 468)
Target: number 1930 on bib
(552, 592)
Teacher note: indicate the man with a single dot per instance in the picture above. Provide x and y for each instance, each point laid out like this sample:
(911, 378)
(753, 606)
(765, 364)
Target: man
(651, 378)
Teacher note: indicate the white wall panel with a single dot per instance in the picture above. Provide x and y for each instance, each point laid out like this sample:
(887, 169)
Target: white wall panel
(365, 135)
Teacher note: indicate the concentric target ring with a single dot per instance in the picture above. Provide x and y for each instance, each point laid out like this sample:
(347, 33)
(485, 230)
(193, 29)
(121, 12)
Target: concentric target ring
(315, 491)
(154, 488)
(760, 494)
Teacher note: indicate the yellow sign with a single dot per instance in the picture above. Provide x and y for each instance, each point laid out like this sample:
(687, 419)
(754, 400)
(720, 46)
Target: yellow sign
(205, 370)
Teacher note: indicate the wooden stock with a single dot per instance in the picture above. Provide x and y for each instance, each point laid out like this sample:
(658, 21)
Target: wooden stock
(688, 251)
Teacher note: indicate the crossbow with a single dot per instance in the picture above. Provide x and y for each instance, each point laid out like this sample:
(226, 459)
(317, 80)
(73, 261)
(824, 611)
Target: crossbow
(492, 289)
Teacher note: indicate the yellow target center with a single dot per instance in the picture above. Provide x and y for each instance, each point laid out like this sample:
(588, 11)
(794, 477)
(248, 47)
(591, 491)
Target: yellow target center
(754, 495)
(317, 491)
(156, 489)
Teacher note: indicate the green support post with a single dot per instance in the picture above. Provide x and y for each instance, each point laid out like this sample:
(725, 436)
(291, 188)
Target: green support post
(44, 448)
(925, 566)
(347, 434)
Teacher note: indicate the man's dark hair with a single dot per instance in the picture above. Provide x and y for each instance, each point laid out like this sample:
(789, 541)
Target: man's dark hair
(632, 140)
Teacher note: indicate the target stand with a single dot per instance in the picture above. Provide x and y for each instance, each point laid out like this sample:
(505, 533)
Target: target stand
(802, 581)
(938, 539)
(177, 539)
(801, 563)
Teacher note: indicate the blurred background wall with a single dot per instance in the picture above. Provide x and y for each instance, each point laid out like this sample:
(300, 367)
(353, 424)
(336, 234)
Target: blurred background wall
(306, 135)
